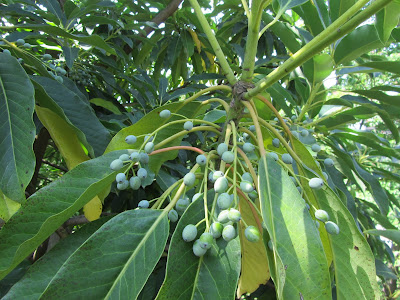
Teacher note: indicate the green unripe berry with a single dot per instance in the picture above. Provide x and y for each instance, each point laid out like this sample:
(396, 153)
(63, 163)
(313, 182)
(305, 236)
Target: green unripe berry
(197, 250)
(293, 117)
(59, 70)
(173, 215)
(328, 162)
(46, 57)
(135, 183)
(189, 233)
(316, 183)
(317, 224)
(273, 155)
(21, 61)
(276, 142)
(165, 114)
(149, 147)
(224, 201)
(222, 148)
(20, 42)
(182, 204)
(123, 185)
(228, 157)
(287, 159)
(248, 147)
(188, 125)
(144, 158)
(252, 128)
(197, 196)
(270, 245)
(116, 164)
(321, 215)
(27, 46)
(142, 173)
(130, 139)
(217, 174)
(223, 216)
(134, 156)
(229, 233)
(120, 177)
(252, 234)
(207, 240)
(201, 160)
(253, 195)
(247, 177)
(148, 138)
(216, 229)
(299, 189)
(294, 180)
(234, 215)
(331, 228)
(316, 148)
(59, 79)
(144, 204)
(246, 186)
(221, 185)
(325, 175)
(304, 132)
(295, 134)
(189, 179)
(124, 157)
(211, 177)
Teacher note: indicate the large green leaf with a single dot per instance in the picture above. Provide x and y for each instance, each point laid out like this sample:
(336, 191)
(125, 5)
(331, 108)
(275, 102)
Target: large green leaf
(148, 124)
(39, 275)
(78, 111)
(386, 20)
(294, 235)
(115, 262)
(352, 257)
(356, 43)
(388, 66)
(392, 234)
(339, 7)
(280, 6)
(17, 130)
(48, 208)
(213, 276)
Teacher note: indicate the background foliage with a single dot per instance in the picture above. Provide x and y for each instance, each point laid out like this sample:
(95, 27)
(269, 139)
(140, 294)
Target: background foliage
(115, 65)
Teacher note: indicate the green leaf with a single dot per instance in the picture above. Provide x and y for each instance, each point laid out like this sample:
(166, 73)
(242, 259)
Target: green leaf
(188, 43)
(391, 234)
(116, 261)
(48, 208)
(39, 275)
(387, 66)
(339, 7)
(70, 54)
(93, 40)
(353, 260)
(386, 20)
(106, 104)
(280, 6)
(213, 276)
(294, 235)
(78, 111)
(383, 271)
(356, 43)
(148, 124)
(17, 130)
(323, 66)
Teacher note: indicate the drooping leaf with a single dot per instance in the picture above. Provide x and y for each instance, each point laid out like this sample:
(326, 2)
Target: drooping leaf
(130, 245)
(386, 20)
(391, 234)
(35, 281)
(78, 111)
(294, 235)
(49, 207)
(384, 271)
(352, 257)
(213, 276)
(70, 54)
(17, 130)
(255, 270)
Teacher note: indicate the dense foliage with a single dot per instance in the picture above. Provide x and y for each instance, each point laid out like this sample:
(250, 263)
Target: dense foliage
(197, 149)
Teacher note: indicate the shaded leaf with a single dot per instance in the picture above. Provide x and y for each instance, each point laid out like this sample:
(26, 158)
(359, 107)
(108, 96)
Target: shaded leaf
(294, 235)
(391, 234)
(386, 20)
(17, 130)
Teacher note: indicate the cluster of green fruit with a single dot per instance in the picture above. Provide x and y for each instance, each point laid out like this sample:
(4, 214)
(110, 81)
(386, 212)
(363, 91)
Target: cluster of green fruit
(82, 77)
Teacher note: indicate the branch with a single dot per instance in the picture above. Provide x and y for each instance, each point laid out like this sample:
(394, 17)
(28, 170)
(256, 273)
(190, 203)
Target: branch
(61, 168)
